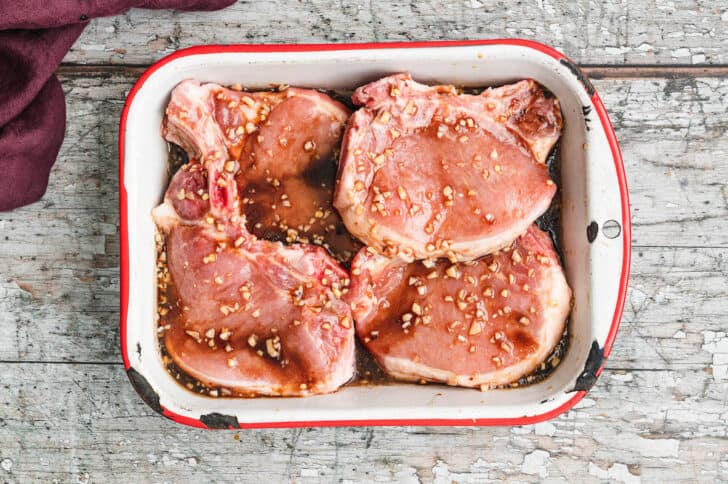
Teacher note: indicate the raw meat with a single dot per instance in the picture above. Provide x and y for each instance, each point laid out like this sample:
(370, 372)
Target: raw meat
(259, 319)
(425, 172)
(480, 323)
(277, 149)
(253, 316)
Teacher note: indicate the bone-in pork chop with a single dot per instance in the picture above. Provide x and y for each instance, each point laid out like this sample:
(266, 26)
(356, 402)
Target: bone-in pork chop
(480, 323)
(261, 319)
(427, 172)
(252, 316)
(277, 149)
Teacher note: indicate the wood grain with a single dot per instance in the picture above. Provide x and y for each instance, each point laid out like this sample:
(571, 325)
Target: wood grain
(84, 422)
(681, 32)
(67, 412)
(59, 257)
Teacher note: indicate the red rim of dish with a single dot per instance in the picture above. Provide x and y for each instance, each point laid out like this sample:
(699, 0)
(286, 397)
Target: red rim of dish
(250, 48)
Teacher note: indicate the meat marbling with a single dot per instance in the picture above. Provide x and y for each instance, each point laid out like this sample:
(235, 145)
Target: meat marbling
(481, 323)
(425, 172)
(251, 315)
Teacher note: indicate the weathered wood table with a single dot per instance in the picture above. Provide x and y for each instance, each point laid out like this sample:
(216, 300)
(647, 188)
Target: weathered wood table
(658, 413)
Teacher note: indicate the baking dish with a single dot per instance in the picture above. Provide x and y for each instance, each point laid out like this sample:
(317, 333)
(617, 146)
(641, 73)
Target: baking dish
(595, 238)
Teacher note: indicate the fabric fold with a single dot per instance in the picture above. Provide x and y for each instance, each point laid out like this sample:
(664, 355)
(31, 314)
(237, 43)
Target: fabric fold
(34, 38)
(29, 145)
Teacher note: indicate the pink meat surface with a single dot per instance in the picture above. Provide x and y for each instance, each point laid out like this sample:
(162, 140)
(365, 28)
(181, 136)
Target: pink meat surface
(259, 319)
(250, 315)
(480, 323)
(277, 149)
(426, 172)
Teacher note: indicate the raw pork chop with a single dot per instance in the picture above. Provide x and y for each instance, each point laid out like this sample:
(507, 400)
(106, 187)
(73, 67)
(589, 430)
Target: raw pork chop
(261, 319)
(252, 316)
(425, 172)
(278, 149)
(481, 323)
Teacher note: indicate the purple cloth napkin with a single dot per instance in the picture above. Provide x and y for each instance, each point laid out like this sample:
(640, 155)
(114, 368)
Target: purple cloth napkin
(34, 37)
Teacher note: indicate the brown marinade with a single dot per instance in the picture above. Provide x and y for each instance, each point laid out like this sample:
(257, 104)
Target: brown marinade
(368, 372)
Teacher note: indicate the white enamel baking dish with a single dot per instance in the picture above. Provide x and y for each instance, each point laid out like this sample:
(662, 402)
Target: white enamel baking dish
(595, 226)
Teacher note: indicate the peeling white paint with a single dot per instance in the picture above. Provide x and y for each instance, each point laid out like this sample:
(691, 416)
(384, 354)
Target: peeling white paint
(716, 343)
(682, 400)
(544, 428)
(645, 47)
(479, 471)
(646, 447)
(720, 366)
(624, 377)
(637, 297)
(170, 460)
(407, 475)
(536, 462)
(524, 430)
(618, 472)
(616, 50)
(309, 472)
(91, 47)
(441, 473)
